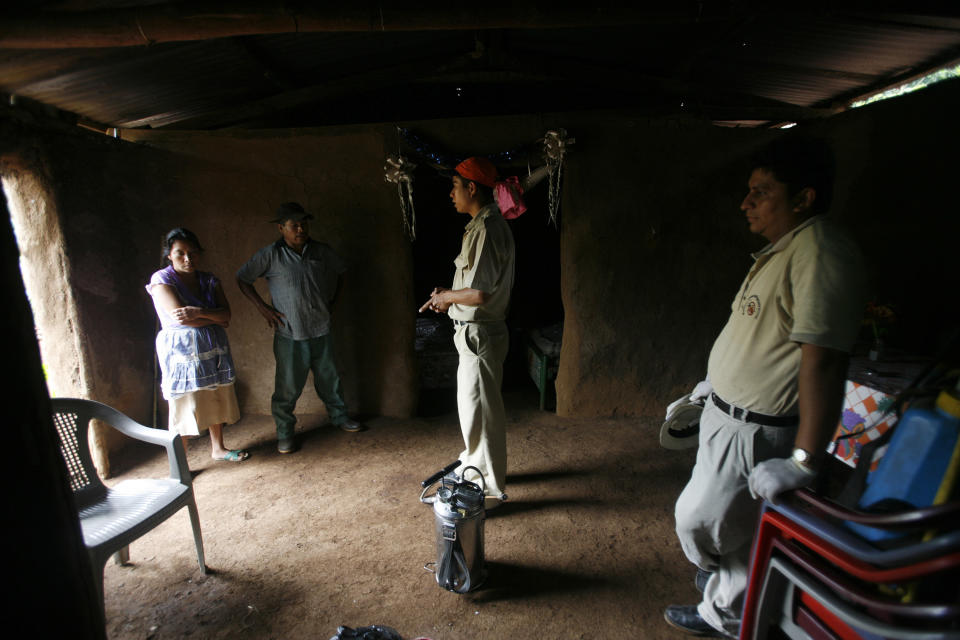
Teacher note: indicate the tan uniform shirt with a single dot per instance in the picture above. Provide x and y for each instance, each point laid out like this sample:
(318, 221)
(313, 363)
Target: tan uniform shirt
(808, 287)
(485, 263)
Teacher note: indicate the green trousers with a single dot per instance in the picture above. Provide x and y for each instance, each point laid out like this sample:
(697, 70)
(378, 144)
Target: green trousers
(295, 359)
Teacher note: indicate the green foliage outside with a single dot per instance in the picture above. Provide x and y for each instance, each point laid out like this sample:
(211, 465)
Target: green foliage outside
(932, 78)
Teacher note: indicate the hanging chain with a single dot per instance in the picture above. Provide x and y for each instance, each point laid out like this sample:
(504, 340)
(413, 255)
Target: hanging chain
(399, 170)
(555, 145)
(407, 212)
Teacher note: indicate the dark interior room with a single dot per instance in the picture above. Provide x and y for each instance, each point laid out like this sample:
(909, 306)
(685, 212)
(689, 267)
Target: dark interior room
(635, 130)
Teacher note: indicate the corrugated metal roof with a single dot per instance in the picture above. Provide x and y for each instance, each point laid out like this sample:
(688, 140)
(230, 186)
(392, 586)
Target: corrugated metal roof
(768, 60)
(815, 62)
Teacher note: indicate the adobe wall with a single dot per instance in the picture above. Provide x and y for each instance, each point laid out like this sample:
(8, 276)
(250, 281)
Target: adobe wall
(652, 242)
(46, 532)
(114, 200)
(78, 200)
(640, 235)
(655, 246)
(228, 187)
(238, 178)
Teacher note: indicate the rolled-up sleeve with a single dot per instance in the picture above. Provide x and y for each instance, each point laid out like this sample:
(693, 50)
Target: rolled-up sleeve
(491, 260)
(255, 267)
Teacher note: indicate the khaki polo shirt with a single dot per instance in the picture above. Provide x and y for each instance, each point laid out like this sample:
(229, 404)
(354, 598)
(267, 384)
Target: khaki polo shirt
(486, 263)
(808, 287)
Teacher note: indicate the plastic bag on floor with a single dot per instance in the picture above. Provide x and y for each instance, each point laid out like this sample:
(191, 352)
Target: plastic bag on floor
(373, 632)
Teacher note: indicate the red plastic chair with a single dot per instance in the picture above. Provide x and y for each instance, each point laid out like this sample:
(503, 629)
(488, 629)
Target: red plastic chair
(798, 604)
(846, 551)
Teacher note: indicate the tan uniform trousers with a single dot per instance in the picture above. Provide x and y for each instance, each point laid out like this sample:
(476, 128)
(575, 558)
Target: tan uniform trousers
(483, 347)
(717, 517)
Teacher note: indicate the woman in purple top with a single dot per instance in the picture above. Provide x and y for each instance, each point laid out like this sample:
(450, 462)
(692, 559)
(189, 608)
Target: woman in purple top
(192, 346)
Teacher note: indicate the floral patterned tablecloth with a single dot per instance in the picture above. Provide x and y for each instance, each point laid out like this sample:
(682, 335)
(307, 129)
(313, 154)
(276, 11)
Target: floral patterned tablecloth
(864, 418)
(871, 389)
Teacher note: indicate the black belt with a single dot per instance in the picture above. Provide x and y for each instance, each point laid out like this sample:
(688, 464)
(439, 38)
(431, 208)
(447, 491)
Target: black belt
(752, 416)
(460, 323)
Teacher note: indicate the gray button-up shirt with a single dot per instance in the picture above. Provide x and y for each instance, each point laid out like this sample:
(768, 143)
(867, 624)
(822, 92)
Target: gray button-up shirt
(301, 286)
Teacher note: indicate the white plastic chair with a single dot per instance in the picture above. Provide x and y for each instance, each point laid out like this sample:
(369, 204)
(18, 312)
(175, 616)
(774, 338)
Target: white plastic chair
(112, 518)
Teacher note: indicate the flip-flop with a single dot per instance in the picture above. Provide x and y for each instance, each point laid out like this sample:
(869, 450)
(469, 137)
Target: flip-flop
(236, 455)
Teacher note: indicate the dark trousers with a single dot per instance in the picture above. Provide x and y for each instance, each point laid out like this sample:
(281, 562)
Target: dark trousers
(295, 359)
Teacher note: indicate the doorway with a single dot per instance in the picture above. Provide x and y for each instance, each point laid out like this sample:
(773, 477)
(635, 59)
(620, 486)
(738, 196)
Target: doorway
(536, 309)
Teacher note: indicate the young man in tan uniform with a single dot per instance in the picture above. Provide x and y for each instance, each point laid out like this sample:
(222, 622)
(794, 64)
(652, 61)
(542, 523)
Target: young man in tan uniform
(477, 303)
(777, 369)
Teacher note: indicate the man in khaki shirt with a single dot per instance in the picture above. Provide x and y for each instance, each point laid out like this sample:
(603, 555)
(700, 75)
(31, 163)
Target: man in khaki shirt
(477, 303)
(777, 370)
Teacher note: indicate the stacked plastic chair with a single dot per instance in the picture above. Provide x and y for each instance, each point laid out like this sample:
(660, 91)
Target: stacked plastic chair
(811, 577)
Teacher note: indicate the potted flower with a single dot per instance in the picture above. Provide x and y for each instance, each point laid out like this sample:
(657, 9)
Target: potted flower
(879, 317)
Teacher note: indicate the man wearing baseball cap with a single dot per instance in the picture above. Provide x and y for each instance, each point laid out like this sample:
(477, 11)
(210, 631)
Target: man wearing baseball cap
(303, 276)
(477, 303)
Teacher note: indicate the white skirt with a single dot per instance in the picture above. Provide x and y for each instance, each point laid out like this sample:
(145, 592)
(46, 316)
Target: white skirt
(197, 410)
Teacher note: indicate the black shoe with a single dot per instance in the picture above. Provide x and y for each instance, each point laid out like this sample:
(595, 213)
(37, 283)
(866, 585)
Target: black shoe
(351, 426)
(701, 580)
(686, 618)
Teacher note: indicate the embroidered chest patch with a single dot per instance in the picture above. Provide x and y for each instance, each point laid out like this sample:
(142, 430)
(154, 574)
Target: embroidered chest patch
(751, 307)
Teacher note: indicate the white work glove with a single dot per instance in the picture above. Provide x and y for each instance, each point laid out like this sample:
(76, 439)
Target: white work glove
(772, 477)
(701, 392)
(698, 396)
(673, 405)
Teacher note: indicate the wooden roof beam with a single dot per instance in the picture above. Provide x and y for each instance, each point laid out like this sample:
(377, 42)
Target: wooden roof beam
(188, 21)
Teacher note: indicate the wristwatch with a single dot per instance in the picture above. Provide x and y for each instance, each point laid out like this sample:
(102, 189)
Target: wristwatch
(803, 458)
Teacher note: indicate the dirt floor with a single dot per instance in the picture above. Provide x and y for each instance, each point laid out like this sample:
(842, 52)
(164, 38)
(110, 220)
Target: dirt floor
(335, 535)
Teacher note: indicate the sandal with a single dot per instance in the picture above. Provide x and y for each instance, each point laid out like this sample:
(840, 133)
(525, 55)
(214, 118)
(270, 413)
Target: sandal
(236, 455)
